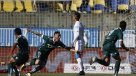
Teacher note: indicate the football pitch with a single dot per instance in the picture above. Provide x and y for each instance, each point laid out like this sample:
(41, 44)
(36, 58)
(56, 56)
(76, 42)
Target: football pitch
(72, 74)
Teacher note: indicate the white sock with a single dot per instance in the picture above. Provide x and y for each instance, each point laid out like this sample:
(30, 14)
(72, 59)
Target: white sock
(80, 64)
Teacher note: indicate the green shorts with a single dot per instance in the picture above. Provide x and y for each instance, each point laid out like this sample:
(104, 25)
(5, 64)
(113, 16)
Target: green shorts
(109, 50)
(20, 58)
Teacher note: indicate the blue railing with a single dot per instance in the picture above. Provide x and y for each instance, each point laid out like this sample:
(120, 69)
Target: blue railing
(7, 37)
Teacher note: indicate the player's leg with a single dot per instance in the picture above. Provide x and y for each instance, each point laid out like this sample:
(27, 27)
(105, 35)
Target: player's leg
(23, 4)
(79, 48)
(104, 61)
(116, 56)
(36, 58)
(12, 65)
(40, 64)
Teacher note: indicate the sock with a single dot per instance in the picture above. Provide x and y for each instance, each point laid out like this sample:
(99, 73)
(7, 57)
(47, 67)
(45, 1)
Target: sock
(10, 69)
(39, 67)
(102, 62)
(117, 66)
(80, 64)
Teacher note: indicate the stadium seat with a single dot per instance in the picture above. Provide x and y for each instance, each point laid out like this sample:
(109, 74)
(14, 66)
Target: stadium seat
(73, 7)
(123, 5)
(8, 6)
(19, 6)
(91, 3)
(99, 6)
(77, 2)
(60, 7)
(28, 5)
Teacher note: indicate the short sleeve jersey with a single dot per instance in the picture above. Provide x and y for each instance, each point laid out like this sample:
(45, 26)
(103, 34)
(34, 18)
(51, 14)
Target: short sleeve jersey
(113, 36)
(22, 44)
(50, 45)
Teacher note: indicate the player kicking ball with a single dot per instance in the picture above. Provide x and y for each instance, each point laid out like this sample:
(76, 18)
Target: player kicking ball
(22, 56)
(109, 48)
(41, 56)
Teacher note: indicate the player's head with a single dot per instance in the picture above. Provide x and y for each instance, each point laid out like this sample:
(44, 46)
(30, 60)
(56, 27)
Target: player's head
(123, 25)
(76, 16)
(57, 36)
(18, 31)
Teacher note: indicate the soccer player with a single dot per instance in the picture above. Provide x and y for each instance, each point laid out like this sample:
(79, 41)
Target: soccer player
(78, 41)
(109, 48)
(23, 54)
(43, 51)
(23, 4)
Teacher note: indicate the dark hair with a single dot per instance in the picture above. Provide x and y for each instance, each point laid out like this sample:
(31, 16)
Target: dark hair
(57, 32)
(77, 15)
(123, 25)
(18, 31)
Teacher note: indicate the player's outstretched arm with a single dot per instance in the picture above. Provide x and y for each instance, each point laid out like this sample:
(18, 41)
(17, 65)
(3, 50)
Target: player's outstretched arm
(33, 32)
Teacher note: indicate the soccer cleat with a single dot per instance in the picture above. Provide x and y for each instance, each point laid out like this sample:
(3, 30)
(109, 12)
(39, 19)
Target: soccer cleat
(92, 60)
(27, 74)
(81, 73)
(22, 67)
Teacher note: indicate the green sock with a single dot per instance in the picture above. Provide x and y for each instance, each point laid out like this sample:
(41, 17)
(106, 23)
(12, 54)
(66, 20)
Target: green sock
(117, 66)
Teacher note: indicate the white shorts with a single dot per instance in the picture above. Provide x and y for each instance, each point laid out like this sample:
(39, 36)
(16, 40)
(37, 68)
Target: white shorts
(79, 45)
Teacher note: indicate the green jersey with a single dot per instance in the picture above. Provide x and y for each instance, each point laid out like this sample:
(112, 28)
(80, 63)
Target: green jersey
(50, 45)
(113, 36)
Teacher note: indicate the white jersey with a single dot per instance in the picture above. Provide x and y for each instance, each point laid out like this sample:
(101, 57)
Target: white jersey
(78, 31)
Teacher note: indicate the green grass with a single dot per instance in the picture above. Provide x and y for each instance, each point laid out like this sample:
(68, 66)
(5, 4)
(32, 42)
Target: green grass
(65, 74)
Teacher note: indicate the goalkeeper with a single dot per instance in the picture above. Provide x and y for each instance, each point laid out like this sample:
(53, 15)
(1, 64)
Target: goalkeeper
(43, 51)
